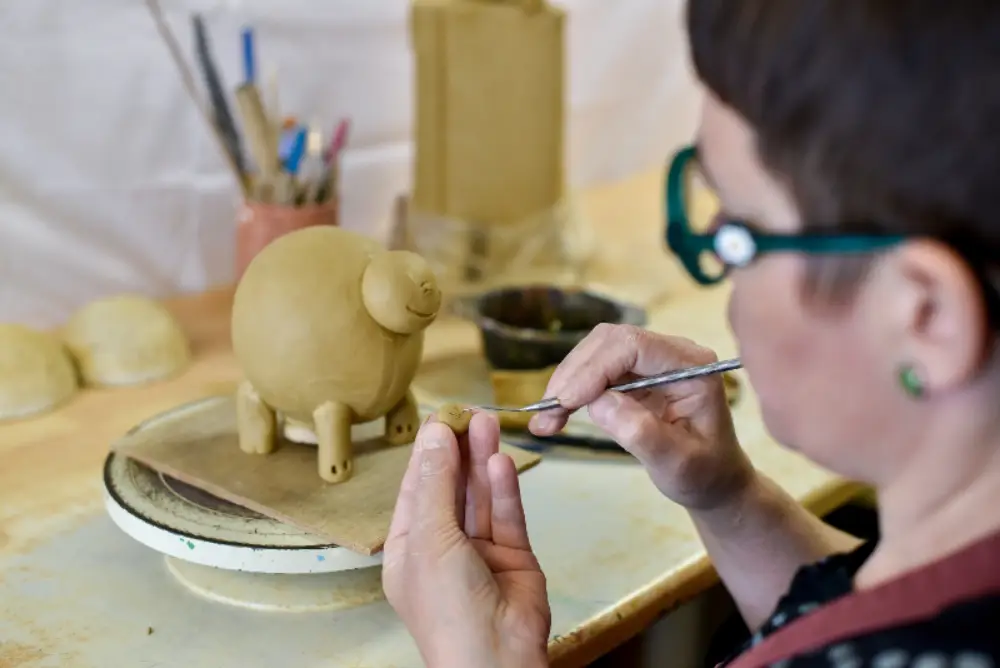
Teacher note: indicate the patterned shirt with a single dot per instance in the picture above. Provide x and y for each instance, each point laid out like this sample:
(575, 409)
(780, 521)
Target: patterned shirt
(966, 635)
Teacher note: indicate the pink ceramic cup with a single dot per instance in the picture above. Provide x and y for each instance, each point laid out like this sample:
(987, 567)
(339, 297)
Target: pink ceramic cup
(259, 224)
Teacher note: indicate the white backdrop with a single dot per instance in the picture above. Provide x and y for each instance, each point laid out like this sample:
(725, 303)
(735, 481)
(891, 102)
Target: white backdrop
(110, 182)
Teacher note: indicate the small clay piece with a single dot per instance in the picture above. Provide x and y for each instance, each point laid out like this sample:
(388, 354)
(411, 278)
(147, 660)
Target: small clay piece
(328, 329)
(456, 417)
(36, 372)
(126, 340)
(517, 388)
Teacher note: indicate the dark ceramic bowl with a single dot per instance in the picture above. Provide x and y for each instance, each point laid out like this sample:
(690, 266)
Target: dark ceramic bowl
(534, 327)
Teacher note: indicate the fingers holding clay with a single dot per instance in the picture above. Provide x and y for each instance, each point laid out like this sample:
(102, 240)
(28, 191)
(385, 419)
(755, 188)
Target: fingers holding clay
(126, 340)
(455, 417)
(36, 373)
(610, 354)
(255, 421)
(336, 450)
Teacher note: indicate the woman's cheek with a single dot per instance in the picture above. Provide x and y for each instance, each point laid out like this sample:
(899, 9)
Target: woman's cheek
(765, 316)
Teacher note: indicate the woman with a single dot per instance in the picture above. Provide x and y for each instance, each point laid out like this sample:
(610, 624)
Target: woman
(855, 150)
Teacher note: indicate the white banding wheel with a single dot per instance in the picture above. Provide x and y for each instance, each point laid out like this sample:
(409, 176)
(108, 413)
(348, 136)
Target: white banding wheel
(229, 554)
(281, 593)
(181, 521)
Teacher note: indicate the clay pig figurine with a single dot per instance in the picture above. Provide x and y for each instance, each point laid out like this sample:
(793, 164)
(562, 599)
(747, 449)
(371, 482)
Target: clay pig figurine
(328, 329)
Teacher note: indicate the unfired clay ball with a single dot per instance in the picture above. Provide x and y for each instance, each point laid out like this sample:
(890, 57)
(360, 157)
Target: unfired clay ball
(328, 329)
(36, 372)
(126, 340)
(455, 417)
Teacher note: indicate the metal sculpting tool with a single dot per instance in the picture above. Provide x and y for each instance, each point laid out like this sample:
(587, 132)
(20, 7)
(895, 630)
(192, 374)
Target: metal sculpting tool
(643, 383)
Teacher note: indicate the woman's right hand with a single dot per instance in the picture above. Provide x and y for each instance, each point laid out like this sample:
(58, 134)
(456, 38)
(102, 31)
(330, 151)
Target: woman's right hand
(682, 432)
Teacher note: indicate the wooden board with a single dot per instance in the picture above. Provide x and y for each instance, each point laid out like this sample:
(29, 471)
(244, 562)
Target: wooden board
(197, 444)
(490, 109)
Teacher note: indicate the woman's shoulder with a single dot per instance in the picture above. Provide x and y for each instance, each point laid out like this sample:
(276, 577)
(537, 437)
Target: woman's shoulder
(962, 636)
(817, 585)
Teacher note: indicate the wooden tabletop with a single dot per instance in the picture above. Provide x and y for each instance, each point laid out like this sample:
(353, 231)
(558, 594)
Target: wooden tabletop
(71, 585)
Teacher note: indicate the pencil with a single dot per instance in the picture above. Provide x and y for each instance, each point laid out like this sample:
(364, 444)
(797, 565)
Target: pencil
(331, 158)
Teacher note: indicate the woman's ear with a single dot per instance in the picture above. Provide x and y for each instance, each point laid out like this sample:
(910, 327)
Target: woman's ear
(941, 316)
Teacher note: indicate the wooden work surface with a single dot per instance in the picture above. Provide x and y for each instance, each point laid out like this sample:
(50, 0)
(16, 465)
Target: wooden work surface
(75, 589)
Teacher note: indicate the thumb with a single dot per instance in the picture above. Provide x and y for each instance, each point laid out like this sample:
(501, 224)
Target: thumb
(632, 425)
(437, 482)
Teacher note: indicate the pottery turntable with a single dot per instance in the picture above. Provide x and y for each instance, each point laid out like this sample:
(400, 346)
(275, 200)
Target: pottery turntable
(266, 532)
(208, 524)
(229, 553)
(279, 496)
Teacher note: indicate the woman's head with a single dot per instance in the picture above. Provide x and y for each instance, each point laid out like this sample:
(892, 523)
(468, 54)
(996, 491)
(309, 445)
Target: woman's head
(865, 118)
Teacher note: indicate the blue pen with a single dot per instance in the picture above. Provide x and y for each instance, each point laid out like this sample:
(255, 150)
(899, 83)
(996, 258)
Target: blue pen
(286, 143)
(249, 61)
(298, 150)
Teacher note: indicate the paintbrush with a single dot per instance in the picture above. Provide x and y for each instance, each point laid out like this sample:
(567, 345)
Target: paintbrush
(331, 158)
(190, 85)
(260, 134)
(213, 82)
(272, 98)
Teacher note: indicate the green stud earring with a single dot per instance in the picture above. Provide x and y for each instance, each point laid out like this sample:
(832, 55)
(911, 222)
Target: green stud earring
(910, 380)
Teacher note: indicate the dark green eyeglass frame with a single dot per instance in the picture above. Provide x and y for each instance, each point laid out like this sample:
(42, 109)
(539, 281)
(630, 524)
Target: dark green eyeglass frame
(689, 246)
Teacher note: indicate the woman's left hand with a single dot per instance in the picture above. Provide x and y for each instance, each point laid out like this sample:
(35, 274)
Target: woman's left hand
(458, 567)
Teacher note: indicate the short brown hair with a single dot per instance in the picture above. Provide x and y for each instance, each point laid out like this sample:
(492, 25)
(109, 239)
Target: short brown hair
(878, 115)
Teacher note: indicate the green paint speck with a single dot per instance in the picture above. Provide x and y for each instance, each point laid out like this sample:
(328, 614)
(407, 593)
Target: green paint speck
(190, 545)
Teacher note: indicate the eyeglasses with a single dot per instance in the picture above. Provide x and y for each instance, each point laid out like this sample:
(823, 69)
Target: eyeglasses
(709, 244)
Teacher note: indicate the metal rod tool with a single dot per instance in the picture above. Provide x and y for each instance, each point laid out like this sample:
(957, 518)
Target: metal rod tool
(643, 383)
